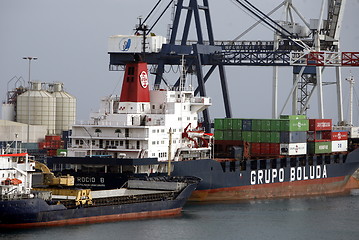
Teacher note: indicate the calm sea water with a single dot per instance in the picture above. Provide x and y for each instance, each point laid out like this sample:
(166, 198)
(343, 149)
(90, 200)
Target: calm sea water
(299, 218)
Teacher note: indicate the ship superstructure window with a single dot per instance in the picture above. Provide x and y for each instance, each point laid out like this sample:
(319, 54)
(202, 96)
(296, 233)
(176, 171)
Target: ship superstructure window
(153, 142)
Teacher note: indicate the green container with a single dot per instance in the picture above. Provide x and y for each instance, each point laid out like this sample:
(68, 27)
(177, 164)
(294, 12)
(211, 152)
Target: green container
(256, 137)
(218, 134)
(237, 124)
(265, 137)
(237, 135)
(247, 136)
(218, 124)
(275, 125)
(274, 137)
(227, 135)
(293, 117)
(256, 124)
(294, 125)
(266, 125)
(227, 122)
(319, 147)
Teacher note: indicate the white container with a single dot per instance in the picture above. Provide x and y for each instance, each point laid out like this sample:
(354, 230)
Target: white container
(133, 44)
(353, 132)
(340, 146)
(293, 148)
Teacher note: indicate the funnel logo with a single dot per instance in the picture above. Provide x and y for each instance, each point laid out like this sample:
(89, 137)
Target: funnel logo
(125, 44)
(143, 79)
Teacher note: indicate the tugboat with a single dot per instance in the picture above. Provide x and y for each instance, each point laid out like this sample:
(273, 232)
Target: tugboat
(56, 202)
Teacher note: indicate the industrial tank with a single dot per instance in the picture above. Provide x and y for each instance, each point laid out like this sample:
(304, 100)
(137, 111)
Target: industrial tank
(37, 107)
(8, 111)
(65, 109)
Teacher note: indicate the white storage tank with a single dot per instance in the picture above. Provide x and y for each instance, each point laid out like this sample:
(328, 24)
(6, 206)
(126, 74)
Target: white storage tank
(65, 109)
(8, 111)
(37, 107)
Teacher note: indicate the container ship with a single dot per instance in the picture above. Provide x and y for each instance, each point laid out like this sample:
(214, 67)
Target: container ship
(147, 132)
(56, 203)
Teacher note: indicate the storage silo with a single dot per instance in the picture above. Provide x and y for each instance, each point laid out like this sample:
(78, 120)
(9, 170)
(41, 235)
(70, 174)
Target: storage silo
(8, 111)
(37, 107)
(65, 109)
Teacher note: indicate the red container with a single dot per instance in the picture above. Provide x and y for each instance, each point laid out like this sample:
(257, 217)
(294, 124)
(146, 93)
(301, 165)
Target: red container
(255, 148)
(320, 124)
(52, 138)
(52, 152)
(274, 148)
(265, 149)
(41, 145)
(337, 136)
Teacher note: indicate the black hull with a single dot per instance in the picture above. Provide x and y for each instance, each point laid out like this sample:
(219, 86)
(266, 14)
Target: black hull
(26, 213)
(231, 176)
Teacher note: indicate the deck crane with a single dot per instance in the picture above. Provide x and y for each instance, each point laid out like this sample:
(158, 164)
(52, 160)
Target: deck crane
(291, 51)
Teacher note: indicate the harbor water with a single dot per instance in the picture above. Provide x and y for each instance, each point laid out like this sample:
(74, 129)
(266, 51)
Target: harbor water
(298, 218)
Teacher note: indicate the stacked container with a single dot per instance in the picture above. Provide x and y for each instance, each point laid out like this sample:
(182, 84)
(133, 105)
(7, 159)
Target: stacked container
(319, 136)
(293, 135)
(51, 144)
(339, 140)
(267, 137)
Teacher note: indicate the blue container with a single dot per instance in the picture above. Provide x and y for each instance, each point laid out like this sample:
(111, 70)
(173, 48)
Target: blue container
(293, 137)
(247, 124)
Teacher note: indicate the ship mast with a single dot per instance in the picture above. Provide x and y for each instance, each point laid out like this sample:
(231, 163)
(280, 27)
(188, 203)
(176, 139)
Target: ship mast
(351, 82)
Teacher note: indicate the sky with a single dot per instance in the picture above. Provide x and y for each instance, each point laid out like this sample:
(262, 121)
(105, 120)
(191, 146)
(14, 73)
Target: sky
(69, 38)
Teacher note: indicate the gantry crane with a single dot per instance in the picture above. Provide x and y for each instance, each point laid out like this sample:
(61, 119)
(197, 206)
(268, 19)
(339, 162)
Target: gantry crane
(304, 53)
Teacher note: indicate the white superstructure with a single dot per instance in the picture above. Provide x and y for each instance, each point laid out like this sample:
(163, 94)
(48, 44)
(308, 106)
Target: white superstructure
(138, 127)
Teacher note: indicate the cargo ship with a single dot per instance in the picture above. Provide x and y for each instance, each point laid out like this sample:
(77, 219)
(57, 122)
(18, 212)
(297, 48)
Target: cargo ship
(58, 204)
(147, 132)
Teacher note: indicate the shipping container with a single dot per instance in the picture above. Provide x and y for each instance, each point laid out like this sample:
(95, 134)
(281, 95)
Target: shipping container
(256, 137)
(255, 149)
(218, 134)
(247, 136)
(265, 137)
(227, 124)
(237, 135)
(320, 124)
(61, 152)
(52, 138)
(294, 125)
(265, 149)
(339, 135)
(318, 136)
(293, 137)
(256, 124)
(319, 147)
(275, 125)
(353, 132)
(218, 124)
(293, 148)
(227, 135)
(237, 123)
(275, 137)
(274, 149)
(247, 124)
(340, 146)
(266, 125)
(293, 117)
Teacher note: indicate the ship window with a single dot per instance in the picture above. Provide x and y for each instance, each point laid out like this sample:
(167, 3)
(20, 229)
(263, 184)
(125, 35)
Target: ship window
(243, 165)
(310, 161)
(121, 143)
(303, 161)
(293, 162)
(327, 159)
(153, 107)
(188, 118)
(116, 143)
(158, 142)
(153, 142)
(336, 159)
(179, 118)
(162, 142)
(262, 164)
(273, 163)
(93, 142)
(223, 165)
(254, 165)
(162, 130)
(107, 143)
(153, 130)
(195, 118)
(319, 160)
(77, 142)
(283, 163)
(232, 166)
